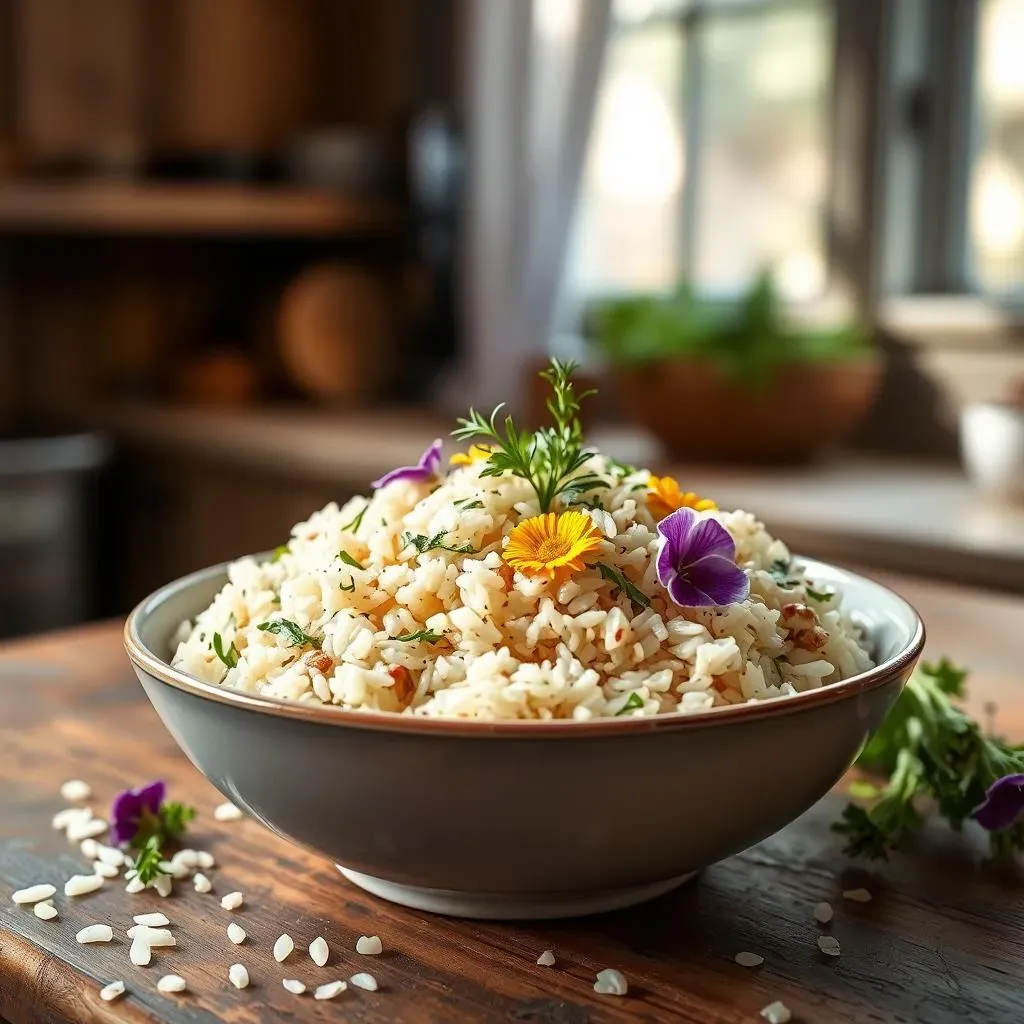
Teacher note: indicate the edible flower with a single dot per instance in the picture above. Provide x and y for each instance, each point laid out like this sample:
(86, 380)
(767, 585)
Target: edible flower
(476, 453)
(132, 807)
(697, 561)
(1003, 805)
(664, 497)
(553, 545)
(423, 472)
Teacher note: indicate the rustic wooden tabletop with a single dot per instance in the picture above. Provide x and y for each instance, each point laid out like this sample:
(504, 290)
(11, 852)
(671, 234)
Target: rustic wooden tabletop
(942, 939)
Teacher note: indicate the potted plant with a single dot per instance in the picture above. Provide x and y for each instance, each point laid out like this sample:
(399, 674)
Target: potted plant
(738, 381)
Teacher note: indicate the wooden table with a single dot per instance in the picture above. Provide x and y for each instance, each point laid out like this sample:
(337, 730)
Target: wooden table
(941, 941)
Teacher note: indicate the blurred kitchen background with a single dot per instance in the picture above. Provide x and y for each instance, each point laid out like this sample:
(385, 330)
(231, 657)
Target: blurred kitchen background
(255, 252)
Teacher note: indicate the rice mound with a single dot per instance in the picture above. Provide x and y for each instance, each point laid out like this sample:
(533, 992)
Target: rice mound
(513, 646)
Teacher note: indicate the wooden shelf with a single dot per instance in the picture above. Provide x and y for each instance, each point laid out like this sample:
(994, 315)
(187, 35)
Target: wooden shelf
(176, 209)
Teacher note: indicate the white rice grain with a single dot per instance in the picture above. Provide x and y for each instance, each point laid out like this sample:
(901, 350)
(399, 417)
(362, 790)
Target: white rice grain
(295, 987)
(823, 913)
(80, 885)
(857, 895)
(610, 983)
(34, 893)
(171, 983)
(319, 951)
(109, 855)
(140, 954)
(283, 948)
(238, 976)
(205, 860)
(330, 990)
(90, 829)
(153, 937)
(63, 819)
(367, 982)
(546, 959)
(75, 790)
(227, 812)
(201, 883)
(135, 885)
(95, 933)
(369, 945)
(829, 945)
(232, 901)
(112, 991)
(157, 920)
(777, 1013)
(236, 933)
(104, 870)
(745, 959)
(45, 911)
(90, 849)
(164, 885)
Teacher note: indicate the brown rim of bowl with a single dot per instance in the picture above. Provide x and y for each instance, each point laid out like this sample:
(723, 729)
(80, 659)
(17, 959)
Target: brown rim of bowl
(389, 721)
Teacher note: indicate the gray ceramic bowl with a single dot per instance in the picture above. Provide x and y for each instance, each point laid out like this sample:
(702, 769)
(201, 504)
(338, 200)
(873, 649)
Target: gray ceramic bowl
(522, 819)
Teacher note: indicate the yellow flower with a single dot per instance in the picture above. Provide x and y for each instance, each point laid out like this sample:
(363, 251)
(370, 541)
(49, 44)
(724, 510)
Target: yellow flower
(553, 545)
(476, 453)
(664, 498)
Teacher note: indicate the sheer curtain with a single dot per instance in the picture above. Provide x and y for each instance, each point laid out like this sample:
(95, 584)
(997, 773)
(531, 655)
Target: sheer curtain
(534, 67)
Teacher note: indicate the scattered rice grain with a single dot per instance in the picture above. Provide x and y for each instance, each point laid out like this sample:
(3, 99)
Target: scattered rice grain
(90, 829)
(238, 976)
(63, 819)
(745, 959)
(546, 959)
(90, 849)
(823, 913)
(135, 884)
(171, 983)
(45, 911)
(164, 885)
(153, 937)
(104, 870)
(205, 860)
(236, 933)
(295, 987)
(369, 945)
(367, 982)
(777, 1013)
(227, 812)
(319, 951)
(34, 893)
(110, 992)
(610, 983)
(95, 933)
(330, 990)
(857, 895)
(201, 882)
(232, 901)
(79, 885)
(75, 790)
(140, 954)
(109, 855)
(829, 945)
(151, 920)
(283, 948)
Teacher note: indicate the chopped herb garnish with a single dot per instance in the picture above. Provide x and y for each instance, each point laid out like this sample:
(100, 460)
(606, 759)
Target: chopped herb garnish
(351, 585)
(549, 459)
(818, 595)
(427, 636)
(636, 596)
(275, 598)
(279, 552)
(297, 636)
(349, 560)
(357, 521)
(779, 571)
(230, 656)
(622, 469)
(467, 503)
(571, 498)
(147, 863)
(633, 701)
(422, 543)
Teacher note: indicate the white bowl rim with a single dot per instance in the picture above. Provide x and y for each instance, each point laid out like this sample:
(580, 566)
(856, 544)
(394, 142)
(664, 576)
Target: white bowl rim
(389, 721)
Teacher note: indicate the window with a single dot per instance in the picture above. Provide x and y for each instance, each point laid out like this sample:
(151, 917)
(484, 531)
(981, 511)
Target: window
(709, 151)
(996, 198)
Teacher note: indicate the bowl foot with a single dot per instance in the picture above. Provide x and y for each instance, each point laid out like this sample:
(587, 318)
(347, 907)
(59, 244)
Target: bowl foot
(511, 906)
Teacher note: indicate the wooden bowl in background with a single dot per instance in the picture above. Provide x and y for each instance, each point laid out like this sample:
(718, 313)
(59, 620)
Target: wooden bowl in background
(699, 415)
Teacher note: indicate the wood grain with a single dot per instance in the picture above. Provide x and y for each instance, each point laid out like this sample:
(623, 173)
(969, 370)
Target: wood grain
(942, 940)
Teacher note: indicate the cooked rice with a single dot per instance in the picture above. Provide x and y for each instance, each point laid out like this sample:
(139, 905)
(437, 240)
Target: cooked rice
(514, 646)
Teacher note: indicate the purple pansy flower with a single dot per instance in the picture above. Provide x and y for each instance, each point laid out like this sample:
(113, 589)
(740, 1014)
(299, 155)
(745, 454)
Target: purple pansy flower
(697, 561)
(131, 806)
(1003, 805)
(426, 469)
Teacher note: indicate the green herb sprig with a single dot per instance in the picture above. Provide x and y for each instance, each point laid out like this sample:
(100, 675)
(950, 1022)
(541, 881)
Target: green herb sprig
(636, 596)
(422, 543)
(353, 525)
(427, 636)
(229, 656)
(296, 635)
(147, 863)
(349, 560)
(928, 747)
(633, 701)
(549, 459)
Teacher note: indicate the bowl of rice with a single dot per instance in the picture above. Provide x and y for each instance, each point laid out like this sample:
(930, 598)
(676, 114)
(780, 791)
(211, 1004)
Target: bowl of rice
(526, 682)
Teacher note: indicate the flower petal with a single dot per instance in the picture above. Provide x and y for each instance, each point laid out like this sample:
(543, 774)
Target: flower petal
(426, 469)
(1003, 805)
(709, 537)
(719, 578)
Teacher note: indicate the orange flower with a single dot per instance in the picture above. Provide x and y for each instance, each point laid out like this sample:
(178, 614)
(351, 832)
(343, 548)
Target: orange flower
(553, 545)
(476, 453)
(664, 498)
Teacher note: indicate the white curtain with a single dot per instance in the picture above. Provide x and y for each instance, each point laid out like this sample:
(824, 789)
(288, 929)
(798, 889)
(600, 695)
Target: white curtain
(534, 68)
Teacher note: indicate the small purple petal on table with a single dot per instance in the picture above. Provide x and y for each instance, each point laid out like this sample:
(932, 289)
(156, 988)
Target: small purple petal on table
(129, 806)
(1003, 805)
(697, 561)
(426, 469)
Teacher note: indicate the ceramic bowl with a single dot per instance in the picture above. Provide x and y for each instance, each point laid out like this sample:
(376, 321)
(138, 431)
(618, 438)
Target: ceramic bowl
(522, 819)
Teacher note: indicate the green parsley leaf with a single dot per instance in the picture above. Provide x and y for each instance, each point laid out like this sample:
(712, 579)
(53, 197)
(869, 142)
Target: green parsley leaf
(230, 656)
(296, 635)
(351, 585)
(636, 596)
(948, 678)
(633, 701)
(427, 636)
(174, 818)
(357, 521)
(467, 503)
(780, 572)
(349, 560)
(423, 544)
(147, 863)
(279, 552)
(818, 595)
(622, 469)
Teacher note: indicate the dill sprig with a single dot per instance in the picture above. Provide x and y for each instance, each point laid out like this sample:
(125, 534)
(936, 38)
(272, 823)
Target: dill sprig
(549, 459)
